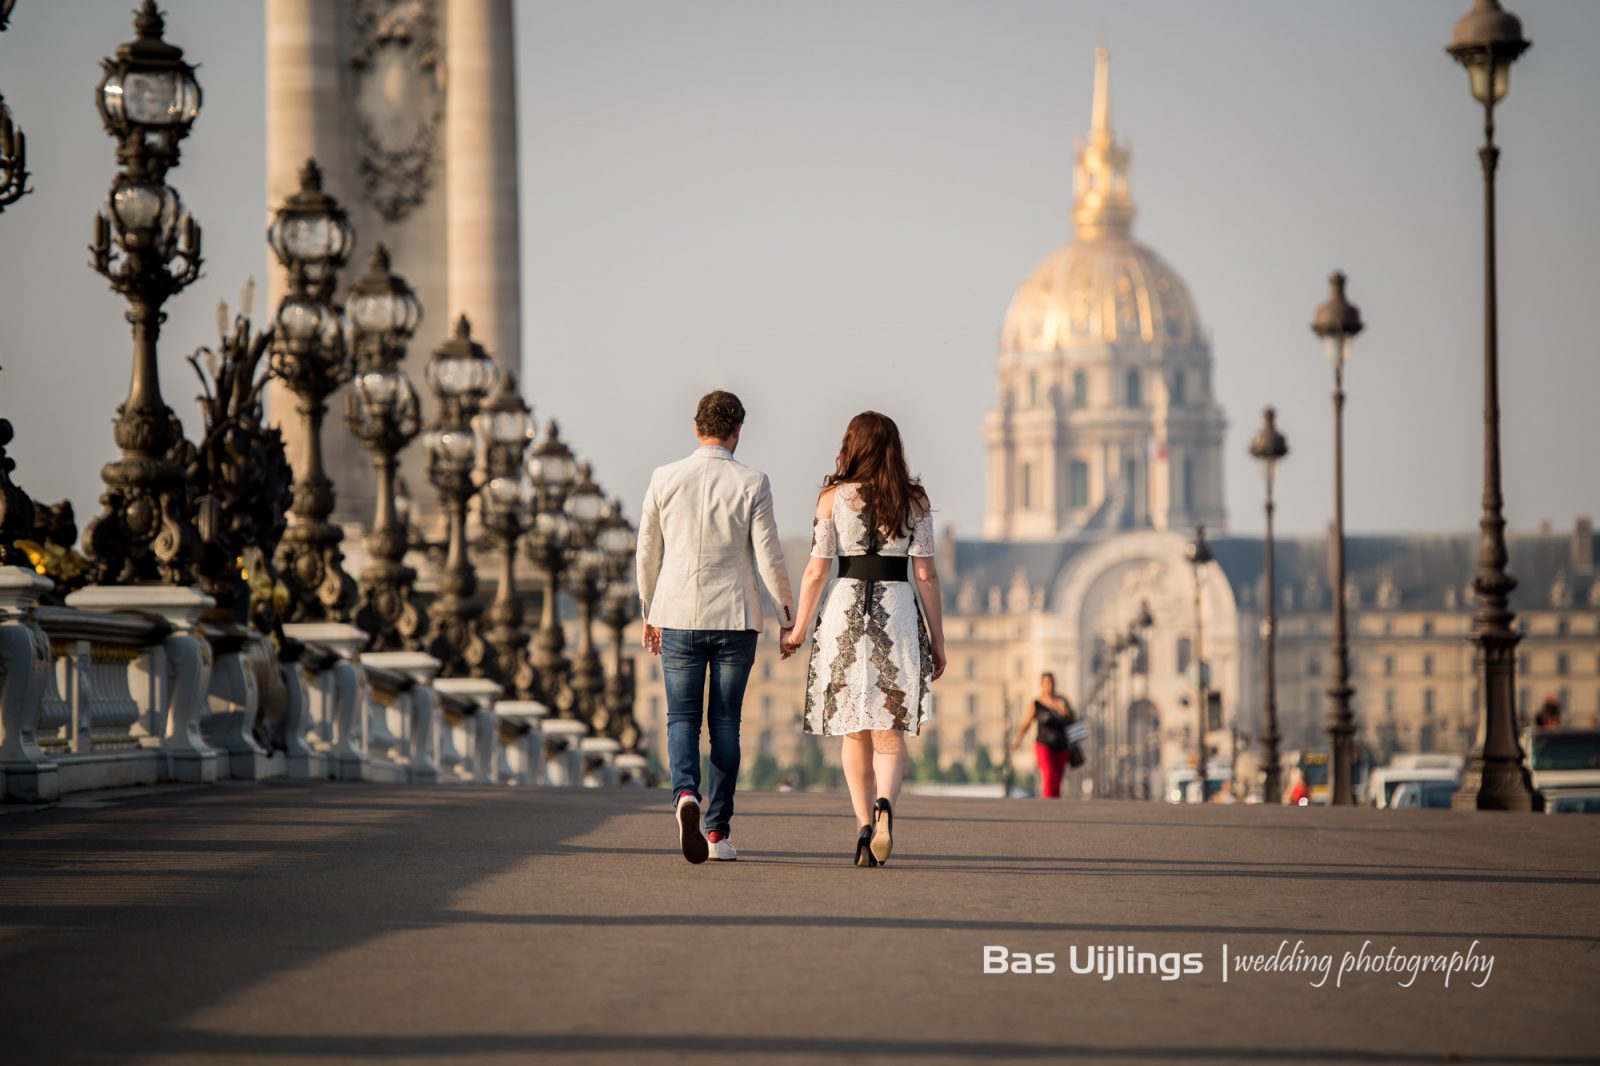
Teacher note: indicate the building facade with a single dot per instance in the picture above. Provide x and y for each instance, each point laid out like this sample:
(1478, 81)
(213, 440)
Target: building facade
(1105, 451)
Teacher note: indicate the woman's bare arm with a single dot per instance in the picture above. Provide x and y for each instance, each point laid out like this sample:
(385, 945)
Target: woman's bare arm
(812, 582)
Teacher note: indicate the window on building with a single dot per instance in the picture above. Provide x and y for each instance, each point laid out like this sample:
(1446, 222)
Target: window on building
(1561, 665)
(1313, 665)
(1427, 627)
(972, 705)
(1388, 700)
(1078, 483)
(1183, 654)
(766, 708)
(1313, 701)
(1177, 390)
(1188, 483)
(1033, 390)
(766, 669)
(972, 668)
(969, 743)
(655, 708)
(1522, 664)
(1562, 627)
(1523, 699)
(655, 670)
(1027, 486)
(1427, 666)
(765, 742)
(1133, 389)
(1388, 666)
(1427, 701)
(1080, 389)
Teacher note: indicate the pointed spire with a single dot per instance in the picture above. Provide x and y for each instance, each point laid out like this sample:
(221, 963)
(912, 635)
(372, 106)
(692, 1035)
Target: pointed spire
(1103, 208)
(1100, 114)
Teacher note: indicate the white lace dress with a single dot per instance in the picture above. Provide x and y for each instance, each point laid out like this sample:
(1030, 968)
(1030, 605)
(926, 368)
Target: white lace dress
(871, 661)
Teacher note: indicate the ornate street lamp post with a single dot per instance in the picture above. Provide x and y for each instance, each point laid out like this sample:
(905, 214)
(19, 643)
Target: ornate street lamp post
(148, 247)
(504, 424)
(1269, 448)
(1199, 554)
(383, 412)
(1141, 628)
(586, 506)
(311, 236)
(1337, 323)
(551, 471)
(617, 543)
(461, 374)
(1487, 41)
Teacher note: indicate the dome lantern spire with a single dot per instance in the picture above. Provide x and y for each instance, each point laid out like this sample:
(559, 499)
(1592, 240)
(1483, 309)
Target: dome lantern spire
(1103, 208)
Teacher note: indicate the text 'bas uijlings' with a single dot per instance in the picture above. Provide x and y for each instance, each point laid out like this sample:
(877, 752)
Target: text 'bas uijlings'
(1116, 961)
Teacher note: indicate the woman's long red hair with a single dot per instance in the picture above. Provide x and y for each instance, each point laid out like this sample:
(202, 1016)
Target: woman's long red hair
(873, 457)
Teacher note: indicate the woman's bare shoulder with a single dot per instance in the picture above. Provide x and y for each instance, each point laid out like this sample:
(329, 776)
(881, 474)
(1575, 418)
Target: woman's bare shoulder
(825, 501)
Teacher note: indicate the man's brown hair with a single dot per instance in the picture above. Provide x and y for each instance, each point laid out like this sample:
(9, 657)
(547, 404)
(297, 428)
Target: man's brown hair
(718, 415)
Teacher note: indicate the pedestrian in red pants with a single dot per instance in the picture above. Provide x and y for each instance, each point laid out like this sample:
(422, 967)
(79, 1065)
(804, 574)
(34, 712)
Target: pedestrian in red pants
(1051, 713)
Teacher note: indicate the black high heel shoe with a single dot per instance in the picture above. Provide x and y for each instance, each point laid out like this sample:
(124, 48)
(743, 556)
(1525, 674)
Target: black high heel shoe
(882, 831)
(864, 855)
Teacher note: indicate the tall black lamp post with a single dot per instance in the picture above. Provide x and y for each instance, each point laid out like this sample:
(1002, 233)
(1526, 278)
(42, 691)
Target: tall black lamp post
(383, 412)
(148, 248)
(1487, 41)
(587, 578)
(1199, 554)
(505, 426)
(1141, 630)
(461, 375)
(617, 541)
(1337, 323)
(311, 236)
(1269, 448)
(551, 472)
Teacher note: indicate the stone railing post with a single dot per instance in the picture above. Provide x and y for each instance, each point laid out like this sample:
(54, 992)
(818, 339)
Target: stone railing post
(188, 656)
(481, 730)
(414, 714)
(25, 772)
(632, 770)
(235, 699)
(563, 760)
(524, 757)
(599, 761)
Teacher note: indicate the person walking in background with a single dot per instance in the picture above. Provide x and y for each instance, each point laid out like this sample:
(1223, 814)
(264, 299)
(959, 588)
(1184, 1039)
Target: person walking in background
(879, 643)
(1052, 748)
(705, 532)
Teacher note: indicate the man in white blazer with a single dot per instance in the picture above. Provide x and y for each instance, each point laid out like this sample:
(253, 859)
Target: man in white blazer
(706, 536)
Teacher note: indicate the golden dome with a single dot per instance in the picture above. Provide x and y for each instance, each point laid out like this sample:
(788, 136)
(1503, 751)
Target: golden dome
(1095, 292)
(1103, 287)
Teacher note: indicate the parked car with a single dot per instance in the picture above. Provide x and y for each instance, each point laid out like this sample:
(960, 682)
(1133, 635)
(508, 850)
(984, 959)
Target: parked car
(1563, 760)
(1573, 801)
(1424, 793)
(1386, 780)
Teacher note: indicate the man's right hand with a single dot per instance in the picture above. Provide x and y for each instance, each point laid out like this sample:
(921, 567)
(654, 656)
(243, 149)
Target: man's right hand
(651, 639)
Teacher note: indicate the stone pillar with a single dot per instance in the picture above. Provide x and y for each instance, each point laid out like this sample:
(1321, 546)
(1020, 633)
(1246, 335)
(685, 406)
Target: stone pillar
(25, 772)
(481, 176)
(308, 118)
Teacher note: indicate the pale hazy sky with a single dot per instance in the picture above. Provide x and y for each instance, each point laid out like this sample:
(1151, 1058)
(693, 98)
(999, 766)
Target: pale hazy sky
(826, 206)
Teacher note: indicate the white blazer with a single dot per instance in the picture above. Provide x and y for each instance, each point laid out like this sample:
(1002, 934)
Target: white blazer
(705, 532)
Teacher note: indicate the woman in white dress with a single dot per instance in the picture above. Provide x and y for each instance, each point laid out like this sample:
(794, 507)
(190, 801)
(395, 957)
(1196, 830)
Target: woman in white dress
(880, 636)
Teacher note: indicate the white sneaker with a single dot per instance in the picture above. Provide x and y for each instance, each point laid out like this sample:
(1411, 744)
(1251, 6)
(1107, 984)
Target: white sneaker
(724, 850)
(691, 829)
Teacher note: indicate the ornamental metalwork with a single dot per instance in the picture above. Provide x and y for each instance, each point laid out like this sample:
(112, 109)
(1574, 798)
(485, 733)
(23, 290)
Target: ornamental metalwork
(148, 247)
(398, 67)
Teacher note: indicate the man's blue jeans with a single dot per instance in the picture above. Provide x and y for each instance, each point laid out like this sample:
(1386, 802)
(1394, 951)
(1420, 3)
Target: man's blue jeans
(687, 657)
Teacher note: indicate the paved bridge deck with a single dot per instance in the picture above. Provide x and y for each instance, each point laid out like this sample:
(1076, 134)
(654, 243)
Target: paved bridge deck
(348, 923)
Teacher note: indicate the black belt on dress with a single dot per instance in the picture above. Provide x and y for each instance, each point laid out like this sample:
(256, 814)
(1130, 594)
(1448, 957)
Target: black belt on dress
(874, 567)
